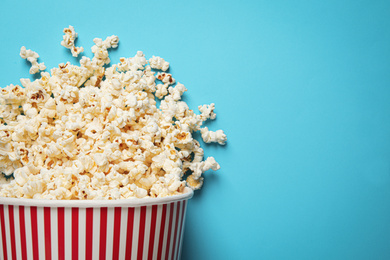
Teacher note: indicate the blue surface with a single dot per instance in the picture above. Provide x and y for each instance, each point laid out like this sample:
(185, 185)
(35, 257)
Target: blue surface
(302, 90)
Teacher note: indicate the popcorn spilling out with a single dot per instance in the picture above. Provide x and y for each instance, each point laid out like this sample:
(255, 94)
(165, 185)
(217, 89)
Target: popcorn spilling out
(95, 132)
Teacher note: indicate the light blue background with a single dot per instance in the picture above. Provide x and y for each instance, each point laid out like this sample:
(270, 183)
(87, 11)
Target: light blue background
(302, 91)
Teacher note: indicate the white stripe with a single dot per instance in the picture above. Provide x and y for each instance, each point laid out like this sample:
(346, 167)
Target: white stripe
(122, 243)
(182, 230)
(54, 233)
(27, 217)
(82, 234)
(41, 232)
(68, 233)
(110, 232)
(18, 243)
(172, 231)
(134, 246)
(7, 231)
(164, 247)
(158, 229)
(148, 218)
(177, 231)
(96, 233)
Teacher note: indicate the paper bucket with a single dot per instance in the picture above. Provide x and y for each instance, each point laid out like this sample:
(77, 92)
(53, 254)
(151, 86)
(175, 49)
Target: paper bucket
(148, 228)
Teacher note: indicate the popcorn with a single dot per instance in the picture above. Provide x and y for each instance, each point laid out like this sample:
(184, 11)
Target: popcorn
(177, 92)
(215, 137)
(100, 49)
(158, 63)
(111, 42)
(32, 57)
(166, 78)
(207, 112)
(68, 41)
(162, 90)
(95, 131)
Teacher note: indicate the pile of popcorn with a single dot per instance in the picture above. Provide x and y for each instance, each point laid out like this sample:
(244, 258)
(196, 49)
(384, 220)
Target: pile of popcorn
(95, 132)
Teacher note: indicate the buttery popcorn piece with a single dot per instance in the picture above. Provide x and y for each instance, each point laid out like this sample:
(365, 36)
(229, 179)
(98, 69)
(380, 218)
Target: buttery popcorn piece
(32, 57)
(158, 63)
(68, 41)
(215, 137)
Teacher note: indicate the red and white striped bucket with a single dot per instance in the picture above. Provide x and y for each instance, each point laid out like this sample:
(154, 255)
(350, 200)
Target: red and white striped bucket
(148, 228)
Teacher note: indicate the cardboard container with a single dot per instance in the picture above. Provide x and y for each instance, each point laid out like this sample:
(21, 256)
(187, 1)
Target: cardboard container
(148, 228)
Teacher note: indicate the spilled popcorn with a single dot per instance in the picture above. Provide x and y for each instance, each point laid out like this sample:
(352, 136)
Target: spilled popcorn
(32, 57)
(69, 37)
(95, 132)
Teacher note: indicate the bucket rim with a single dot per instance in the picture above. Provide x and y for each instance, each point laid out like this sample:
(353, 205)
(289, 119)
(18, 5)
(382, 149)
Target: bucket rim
(128, 203)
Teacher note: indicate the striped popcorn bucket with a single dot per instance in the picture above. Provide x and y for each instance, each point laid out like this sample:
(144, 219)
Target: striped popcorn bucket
(148, 228)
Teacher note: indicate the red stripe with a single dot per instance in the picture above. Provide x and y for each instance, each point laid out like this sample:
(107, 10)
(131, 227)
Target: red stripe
(12, 230)
(141, 235)
(117, 232)
(169, 231)
(181, 226)
(61, 234)
(88, 233)
(47, 233)
(129, 237)
(152, 231)
(22, 224)
(162, 228)
(3, 232)
(175, 234)
(103, 233)
(34, 232)
(75, 233)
